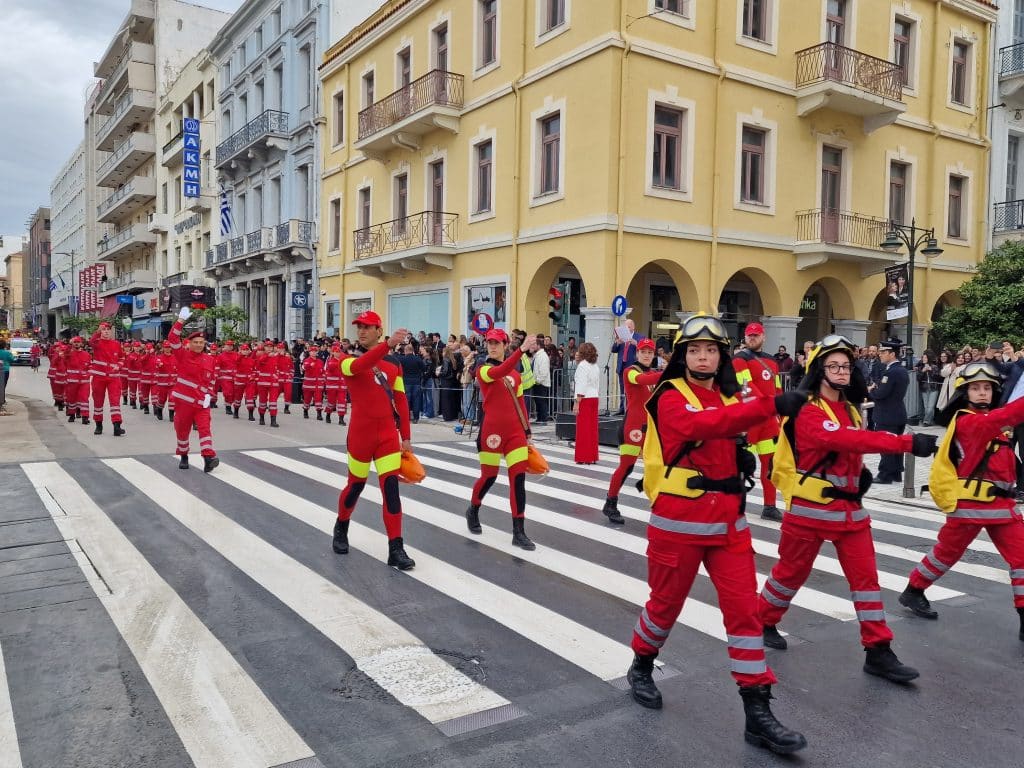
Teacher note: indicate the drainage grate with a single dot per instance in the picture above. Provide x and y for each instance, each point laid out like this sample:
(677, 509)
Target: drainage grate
(477, 720)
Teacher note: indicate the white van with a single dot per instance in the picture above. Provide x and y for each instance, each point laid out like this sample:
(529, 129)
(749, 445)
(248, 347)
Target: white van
(22, 351)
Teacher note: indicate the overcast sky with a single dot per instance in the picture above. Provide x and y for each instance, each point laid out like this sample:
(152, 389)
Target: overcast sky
(46, 57)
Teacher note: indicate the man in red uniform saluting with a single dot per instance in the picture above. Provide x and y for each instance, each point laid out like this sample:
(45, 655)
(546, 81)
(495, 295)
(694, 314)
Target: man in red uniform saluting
(379, 433)
(192, 393)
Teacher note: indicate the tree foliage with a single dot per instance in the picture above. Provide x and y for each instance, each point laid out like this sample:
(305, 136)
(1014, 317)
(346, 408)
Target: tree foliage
(82, 325)
(233, 321)
(993, 307)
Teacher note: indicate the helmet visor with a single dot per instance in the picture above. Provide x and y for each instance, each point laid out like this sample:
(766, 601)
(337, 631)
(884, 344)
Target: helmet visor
(834, 342)
(703, 328)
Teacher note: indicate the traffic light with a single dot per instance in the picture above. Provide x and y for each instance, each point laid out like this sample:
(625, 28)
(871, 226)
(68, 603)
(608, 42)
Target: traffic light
(555, 302)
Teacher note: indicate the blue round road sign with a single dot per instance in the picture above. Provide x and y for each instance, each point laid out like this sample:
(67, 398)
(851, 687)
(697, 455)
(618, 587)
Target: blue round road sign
(482, 322)
(619, 306)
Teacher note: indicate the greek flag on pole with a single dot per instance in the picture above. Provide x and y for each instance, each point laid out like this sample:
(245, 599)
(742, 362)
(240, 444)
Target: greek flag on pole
(226, 224)
(53, 285)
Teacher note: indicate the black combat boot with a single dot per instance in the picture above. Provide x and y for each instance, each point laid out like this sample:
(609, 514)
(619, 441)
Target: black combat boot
(882, 662)
(134, 406)
(397, 557)
(213, 405)
(263, 420)
(71, 419)
(519, 537)
(319, 416)
(227, 410)
(915, 600)
(340, 543)
(85, 420)
(611, 511)
(287, 409)
(762, 729)
(771, 513)
(273, 420)
(305, 413)
(1020, 614)
(118, 429)
(234, 414)
(210, 463)
(772, 638)
(158, 412)
(341, 420)
(99, 428)
(183, 462)
(473, 518)
(641, 683)
(251, 417)
(145, 409)
(328, 419)
(170, 414)
(124, 399)
(60, 405)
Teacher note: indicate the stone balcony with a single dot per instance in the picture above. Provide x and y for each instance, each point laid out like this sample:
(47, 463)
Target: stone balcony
(135, 70)
(126, 158)
(254, 141)
(292, 240)
(136, 281)
(138, 192)
(134, 110)
(130, 241)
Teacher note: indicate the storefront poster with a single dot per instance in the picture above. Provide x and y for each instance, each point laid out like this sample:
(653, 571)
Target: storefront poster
(489, 299)
(897, 299)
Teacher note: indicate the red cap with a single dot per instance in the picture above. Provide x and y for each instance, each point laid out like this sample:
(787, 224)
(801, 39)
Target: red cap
(335, 347)
(496, 334)
(149, 347)
(245, 348)
(195, 335)
(369, 317)
(136, 343)
(229, 342)
(282, 345)
(166, 345)
(753, 329)
(77, 339)
(645, 344)
(213, 347)
(105, 325)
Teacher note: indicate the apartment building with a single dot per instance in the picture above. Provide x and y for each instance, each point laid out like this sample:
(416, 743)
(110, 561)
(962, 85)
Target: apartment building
(36, 272)
(152, 45)
(11, 302)
(67, 234)
(1006, 192)
(740, 156)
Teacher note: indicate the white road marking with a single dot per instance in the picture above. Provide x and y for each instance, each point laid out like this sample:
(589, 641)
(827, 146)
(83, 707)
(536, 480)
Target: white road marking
(423, 682)
(10, 755)
(217, 710)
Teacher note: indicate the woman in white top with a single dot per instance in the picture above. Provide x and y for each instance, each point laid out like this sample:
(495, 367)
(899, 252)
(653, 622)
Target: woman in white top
(586, 389)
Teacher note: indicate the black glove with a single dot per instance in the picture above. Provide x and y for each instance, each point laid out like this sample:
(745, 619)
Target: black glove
(746, 463)
(924, 445)
(790, 403)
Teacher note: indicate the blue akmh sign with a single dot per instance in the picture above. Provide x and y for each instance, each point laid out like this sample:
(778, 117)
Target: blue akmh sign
(190, 178)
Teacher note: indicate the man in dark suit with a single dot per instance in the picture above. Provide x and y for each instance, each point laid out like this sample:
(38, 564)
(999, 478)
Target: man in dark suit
(1013, 388)
(890, 412)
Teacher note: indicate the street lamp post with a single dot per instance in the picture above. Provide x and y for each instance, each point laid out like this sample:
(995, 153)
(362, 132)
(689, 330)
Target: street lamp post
(913, 237)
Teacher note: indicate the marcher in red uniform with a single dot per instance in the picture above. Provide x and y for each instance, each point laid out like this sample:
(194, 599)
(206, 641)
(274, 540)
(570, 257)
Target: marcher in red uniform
(227, 362)
(79, 361)
(106, 377)
(332, 380)
(379, 433)
(637, 381)
(692, 476)
(214, 351)
(245, 381)
(313, 384)
(126, 348)
(167, 375)
(192, 392)
(35, 353)
(760, 373)
(57, 374)
(504, 432)
(147, 374)
(267, 390)
(132, 364)
(986, 465)
(828, 444)
(285, 374)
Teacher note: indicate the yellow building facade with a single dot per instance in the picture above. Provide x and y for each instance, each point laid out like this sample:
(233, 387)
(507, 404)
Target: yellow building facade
(739, 156)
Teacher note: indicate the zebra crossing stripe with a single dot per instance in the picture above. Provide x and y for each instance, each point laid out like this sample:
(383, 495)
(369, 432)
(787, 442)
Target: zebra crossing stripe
(587, 649)
(10, 755)
(382, 649)
(809, 599)
(217, 710)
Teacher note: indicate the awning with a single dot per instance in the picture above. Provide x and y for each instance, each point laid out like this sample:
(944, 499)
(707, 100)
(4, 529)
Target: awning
(148, 322)
(110, 306)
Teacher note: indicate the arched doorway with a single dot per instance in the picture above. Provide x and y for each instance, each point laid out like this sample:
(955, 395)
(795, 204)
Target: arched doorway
(746, 297)
(658, 292)
(556, 271)
(822, 303)
(946, 300)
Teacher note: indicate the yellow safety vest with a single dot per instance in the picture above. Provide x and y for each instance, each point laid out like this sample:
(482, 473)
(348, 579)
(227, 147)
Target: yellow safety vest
(946, 486)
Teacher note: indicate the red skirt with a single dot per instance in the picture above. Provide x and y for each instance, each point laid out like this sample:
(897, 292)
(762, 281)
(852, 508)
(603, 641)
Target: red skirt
(586, 431)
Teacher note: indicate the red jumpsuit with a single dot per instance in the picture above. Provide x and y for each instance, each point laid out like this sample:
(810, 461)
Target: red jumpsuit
(168, 374)
(245, 382)
(637, 381)
(313, 383)
(267, 389)
(227, 362)
(807, 525)
(285, 374)
(998, 517)
(374, 435)
(502, 433)
(332, 383)
(760, 373)
(147, 372)
(106, 377)
(57, 374)
(194, 380)
(684, 532)
(79, 361)
(132, 363)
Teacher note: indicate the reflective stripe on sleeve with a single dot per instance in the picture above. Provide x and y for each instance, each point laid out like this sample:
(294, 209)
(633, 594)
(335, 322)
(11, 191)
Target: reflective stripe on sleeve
(346, 366)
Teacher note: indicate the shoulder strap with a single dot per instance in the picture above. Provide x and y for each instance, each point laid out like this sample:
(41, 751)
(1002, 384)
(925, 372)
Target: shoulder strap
(515, 402)
(382, 379)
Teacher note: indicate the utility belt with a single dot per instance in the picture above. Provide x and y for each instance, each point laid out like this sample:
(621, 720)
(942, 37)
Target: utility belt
(980, 491)
(820, 490)
(691, 484)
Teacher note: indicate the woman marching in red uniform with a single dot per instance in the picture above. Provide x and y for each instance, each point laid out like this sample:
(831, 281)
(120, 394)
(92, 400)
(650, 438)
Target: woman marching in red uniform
(638, 379)
(980, 498)
(57, 373)
(312, 384)
(823, 491)
(379, 433)
(504, 432)
(245, 381)
(696, 488)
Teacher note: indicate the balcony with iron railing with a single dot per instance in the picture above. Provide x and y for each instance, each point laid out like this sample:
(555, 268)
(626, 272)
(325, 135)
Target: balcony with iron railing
(178, 278)
(173, 150)
(129, 241)
(292, 236)
(137, 280)
(1007, 221)
(427, 238)
(1011, 75)
(125, 201)
(138, 25)
(133, 110)
(134, 70)
(270, 129)
(400, 119)
(126, 159)
(835, 77)
(823, 234)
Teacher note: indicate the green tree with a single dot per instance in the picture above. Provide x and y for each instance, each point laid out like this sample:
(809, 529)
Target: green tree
(233, 320)
(82, 325)
(993, 307)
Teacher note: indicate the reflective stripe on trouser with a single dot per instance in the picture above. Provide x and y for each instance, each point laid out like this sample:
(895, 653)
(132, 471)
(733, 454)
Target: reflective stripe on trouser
(312, 395)
(108, 387)
(855, 549)
(671, 568)
(267, 396)
(953, 540)
(185, 416)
